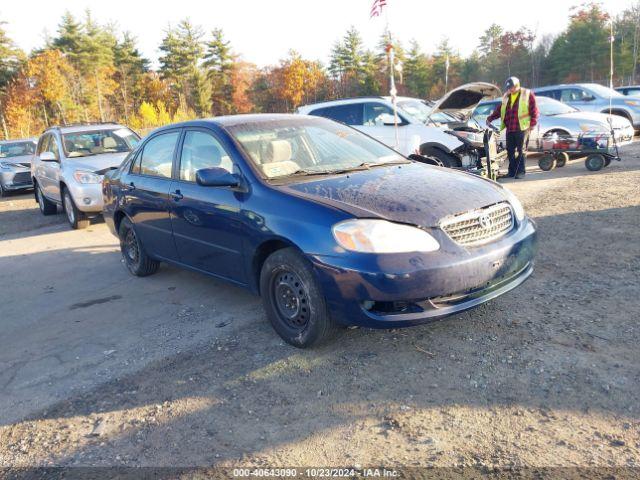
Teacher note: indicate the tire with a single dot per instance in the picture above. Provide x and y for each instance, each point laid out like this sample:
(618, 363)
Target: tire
(293, 300)
(547, 162)
(607, 161)
(77, 219)
(561, 159)
(595, 162)
(448, 160)
(133, 253)
(47, 207)
(2, 191)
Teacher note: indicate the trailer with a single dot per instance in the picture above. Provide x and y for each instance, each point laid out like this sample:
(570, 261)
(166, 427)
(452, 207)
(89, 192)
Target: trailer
(600, 148)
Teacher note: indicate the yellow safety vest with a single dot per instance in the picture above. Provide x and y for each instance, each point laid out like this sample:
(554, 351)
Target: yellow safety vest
(523, 109)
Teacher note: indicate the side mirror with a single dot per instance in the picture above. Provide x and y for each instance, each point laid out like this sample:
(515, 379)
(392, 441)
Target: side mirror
(47, 157)
(216, 177)
(588, 98)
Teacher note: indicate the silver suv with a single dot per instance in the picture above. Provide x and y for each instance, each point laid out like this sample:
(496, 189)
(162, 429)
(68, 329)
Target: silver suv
(69, 164)
(15, 164)
(592, 97)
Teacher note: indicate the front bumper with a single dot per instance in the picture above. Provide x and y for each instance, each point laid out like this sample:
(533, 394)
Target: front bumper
(87, 196)
(362, 290)
(15, 180)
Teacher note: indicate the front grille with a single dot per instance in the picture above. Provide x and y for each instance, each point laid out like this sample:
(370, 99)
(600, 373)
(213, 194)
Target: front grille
(479, 226)
(22, 177)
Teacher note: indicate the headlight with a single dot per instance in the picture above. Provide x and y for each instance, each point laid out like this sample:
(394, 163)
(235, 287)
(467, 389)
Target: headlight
(82, 176)
(380, 236)
(634, 103)
(518, 209)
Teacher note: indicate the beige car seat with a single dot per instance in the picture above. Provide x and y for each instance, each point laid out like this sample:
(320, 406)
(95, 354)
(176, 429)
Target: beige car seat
(277, 159)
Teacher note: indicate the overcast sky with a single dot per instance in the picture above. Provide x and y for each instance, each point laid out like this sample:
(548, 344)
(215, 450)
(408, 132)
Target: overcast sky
(263, 31)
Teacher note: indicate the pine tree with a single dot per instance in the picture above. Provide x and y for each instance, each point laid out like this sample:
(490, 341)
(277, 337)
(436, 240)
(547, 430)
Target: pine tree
(219, 62)
(130, 69)
(416, 71)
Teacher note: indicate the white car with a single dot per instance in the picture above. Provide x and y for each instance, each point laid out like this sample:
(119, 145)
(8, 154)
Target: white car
(374, 116)
(69, 164)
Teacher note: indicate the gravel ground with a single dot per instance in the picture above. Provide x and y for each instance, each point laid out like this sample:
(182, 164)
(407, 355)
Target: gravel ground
(100, 369)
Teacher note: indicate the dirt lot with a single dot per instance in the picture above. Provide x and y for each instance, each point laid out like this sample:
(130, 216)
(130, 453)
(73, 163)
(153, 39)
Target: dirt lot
(99, 368)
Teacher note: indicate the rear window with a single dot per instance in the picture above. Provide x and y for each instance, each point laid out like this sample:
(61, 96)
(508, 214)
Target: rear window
(348, 114)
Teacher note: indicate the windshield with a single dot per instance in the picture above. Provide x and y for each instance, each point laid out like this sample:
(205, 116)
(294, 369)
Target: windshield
(420, 110)
(603, 91)
(17, 149)
(548, 106)
(96, 142)
(309, 146)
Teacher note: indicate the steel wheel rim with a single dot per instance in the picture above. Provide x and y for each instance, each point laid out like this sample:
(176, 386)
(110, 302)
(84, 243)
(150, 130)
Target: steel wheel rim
(291, 299)
(131, 250)
(68, 207)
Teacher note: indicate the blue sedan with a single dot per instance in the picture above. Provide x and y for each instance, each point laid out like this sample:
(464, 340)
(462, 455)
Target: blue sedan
(328, 225)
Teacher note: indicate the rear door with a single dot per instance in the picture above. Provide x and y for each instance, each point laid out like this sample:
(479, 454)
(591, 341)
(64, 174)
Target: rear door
(578, 98)
(206, 221)
(47, 173)
(146, 191)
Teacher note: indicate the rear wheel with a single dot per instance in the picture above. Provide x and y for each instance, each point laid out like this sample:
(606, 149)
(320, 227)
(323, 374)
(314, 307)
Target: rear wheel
(134, 255)
(293, 300)
(595, 162)
(47, 207)
(77, 219)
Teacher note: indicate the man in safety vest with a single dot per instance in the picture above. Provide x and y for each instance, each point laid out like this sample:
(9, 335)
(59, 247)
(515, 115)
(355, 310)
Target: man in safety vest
(518, 113)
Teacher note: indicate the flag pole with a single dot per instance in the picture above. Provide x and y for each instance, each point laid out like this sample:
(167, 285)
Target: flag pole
(392, 81)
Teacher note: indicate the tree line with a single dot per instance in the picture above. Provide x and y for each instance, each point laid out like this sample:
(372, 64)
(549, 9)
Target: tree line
(91, 72)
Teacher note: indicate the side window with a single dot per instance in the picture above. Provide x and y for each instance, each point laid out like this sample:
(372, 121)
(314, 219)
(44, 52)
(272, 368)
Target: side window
(555, 94)
(373, 113)
(201, 150)
(156, 158)
(41, 144)
(574, 95)
(349, 114)
(50, 145)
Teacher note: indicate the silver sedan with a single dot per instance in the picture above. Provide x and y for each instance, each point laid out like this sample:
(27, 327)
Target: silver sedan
(563, 120)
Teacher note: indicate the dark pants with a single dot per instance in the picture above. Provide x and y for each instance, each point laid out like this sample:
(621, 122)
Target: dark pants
(516, 151)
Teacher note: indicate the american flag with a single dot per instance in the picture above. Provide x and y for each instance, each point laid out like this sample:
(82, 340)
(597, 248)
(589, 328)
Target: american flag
(376, 8)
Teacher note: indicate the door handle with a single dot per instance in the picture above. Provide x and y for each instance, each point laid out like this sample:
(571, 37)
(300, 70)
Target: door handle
(177, 196)
(129, 187)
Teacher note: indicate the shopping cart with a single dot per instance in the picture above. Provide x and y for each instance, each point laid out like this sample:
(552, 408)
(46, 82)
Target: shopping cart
(600, 148)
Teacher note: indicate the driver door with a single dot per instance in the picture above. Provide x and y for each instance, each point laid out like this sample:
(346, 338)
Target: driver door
(374, 116)
(48, 173)
(206, 221)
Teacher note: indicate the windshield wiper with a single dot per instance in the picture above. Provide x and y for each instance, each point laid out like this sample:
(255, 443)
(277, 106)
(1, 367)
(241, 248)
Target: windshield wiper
(400, 161)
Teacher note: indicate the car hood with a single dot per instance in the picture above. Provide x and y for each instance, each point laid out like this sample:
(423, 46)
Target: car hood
(22, 160)
(99, 164)
(414, 193)
(593, 117)
(463, 100)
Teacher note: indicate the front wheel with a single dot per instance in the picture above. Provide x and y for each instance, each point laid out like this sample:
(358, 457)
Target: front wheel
(447, 159)
(133, 253)
(47, 207)
(293, 300)
(547, 162)
(77, 219)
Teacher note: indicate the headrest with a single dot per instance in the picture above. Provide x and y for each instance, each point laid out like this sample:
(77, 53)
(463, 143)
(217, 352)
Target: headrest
(109, 142)
(278, 151)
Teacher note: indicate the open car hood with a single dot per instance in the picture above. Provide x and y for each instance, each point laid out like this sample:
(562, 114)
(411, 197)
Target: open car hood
(462, 100)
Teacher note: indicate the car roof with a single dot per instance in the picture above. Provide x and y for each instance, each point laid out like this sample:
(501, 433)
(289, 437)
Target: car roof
(341, 101)
(627, 86)
(564, 85)
(17, 140)
(85, 127)
(232, 120)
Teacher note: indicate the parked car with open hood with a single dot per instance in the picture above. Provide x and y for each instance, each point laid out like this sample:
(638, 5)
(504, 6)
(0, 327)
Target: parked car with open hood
(69, 164)
(592, 97)
(15, 164)
(328, 225)
(374, 116)
(562, 120)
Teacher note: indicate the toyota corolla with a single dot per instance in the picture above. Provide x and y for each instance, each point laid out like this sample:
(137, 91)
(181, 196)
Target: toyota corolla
(328, 225)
